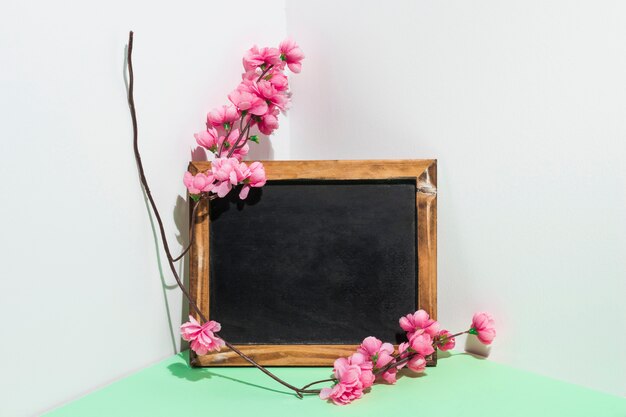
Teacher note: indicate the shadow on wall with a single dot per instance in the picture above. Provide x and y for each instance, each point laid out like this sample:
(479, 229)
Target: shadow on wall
(151, 218)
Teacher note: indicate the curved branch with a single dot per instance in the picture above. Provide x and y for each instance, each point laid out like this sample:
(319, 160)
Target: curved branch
(166, 248)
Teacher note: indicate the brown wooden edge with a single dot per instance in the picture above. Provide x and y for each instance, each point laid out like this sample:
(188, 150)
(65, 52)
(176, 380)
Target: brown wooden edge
(424, 171)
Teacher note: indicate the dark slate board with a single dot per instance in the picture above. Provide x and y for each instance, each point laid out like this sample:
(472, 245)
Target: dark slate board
(323, 262)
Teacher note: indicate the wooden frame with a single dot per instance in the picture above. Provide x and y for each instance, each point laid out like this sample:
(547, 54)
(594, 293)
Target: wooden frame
(423, 171)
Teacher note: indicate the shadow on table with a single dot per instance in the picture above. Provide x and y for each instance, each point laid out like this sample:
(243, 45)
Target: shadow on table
(184, 371)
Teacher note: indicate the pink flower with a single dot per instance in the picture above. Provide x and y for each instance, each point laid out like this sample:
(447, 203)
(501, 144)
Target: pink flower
(246, 101)
(365, 364)
(202, 338)
(389, 376)
(422, 344)
(419, 322)
(269, 122)
(207, 138)
(373, 348)
(199, 183)
(380, 354)
(256, 178)
(483, 327)
(353, 374)
(256, 57)
(223, 116)
(291, 53)
(342, 393)
(228, 172)
(278, 80)
(416, 363)
(266, 90)
(403, 351)
(444, 341)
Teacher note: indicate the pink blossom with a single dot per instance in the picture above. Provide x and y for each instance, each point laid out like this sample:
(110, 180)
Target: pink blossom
(244, 100)
(291, 53)
(422, 344)
(353, 375)
(342, 393)
(199, 183)
(251, 75)
(389, 376)
(223, 116)
(444, 341)
(483, 327)
(202, 338)
(278, 80)
(207, 138)
(416, 363)
(403, 351)
(367, 368)
(419, 322)
(256, 57)
(266, 90)
(373, 347)
(228, 172)
(256, 178)
(269, 121)
(381, 354)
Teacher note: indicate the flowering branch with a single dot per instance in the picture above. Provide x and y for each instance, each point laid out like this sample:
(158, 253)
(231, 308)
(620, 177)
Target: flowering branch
(374, 359)
(170, 259)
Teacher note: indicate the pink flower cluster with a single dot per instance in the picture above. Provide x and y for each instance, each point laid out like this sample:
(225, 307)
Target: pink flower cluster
(373, 358)
(202, 337)
(255, 104)
(225, 174)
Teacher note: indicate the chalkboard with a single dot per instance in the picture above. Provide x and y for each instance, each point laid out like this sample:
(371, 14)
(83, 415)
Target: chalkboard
(314, 261)
(324, 255)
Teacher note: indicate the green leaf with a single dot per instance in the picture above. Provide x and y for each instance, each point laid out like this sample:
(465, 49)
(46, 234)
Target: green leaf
(283, 57)
(195, 197)
(473, 331)
(254, 138)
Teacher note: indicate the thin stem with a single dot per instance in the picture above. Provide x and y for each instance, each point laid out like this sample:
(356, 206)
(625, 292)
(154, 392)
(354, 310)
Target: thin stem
(241, 134)
(144, 181)
(166, 248)
(318, 382)
(456, 334)
(264, 72)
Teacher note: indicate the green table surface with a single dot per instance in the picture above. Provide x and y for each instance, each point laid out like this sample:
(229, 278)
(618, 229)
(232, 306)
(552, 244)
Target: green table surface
(460, 385)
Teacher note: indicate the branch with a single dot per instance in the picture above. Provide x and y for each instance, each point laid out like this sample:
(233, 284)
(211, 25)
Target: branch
(166, 248)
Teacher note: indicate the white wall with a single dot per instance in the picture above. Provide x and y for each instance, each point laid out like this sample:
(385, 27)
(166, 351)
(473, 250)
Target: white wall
(524, 104)
(82, 301)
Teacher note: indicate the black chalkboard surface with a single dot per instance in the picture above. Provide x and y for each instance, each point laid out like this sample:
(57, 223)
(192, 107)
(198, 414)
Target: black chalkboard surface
(314, 261)
(324, 255)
